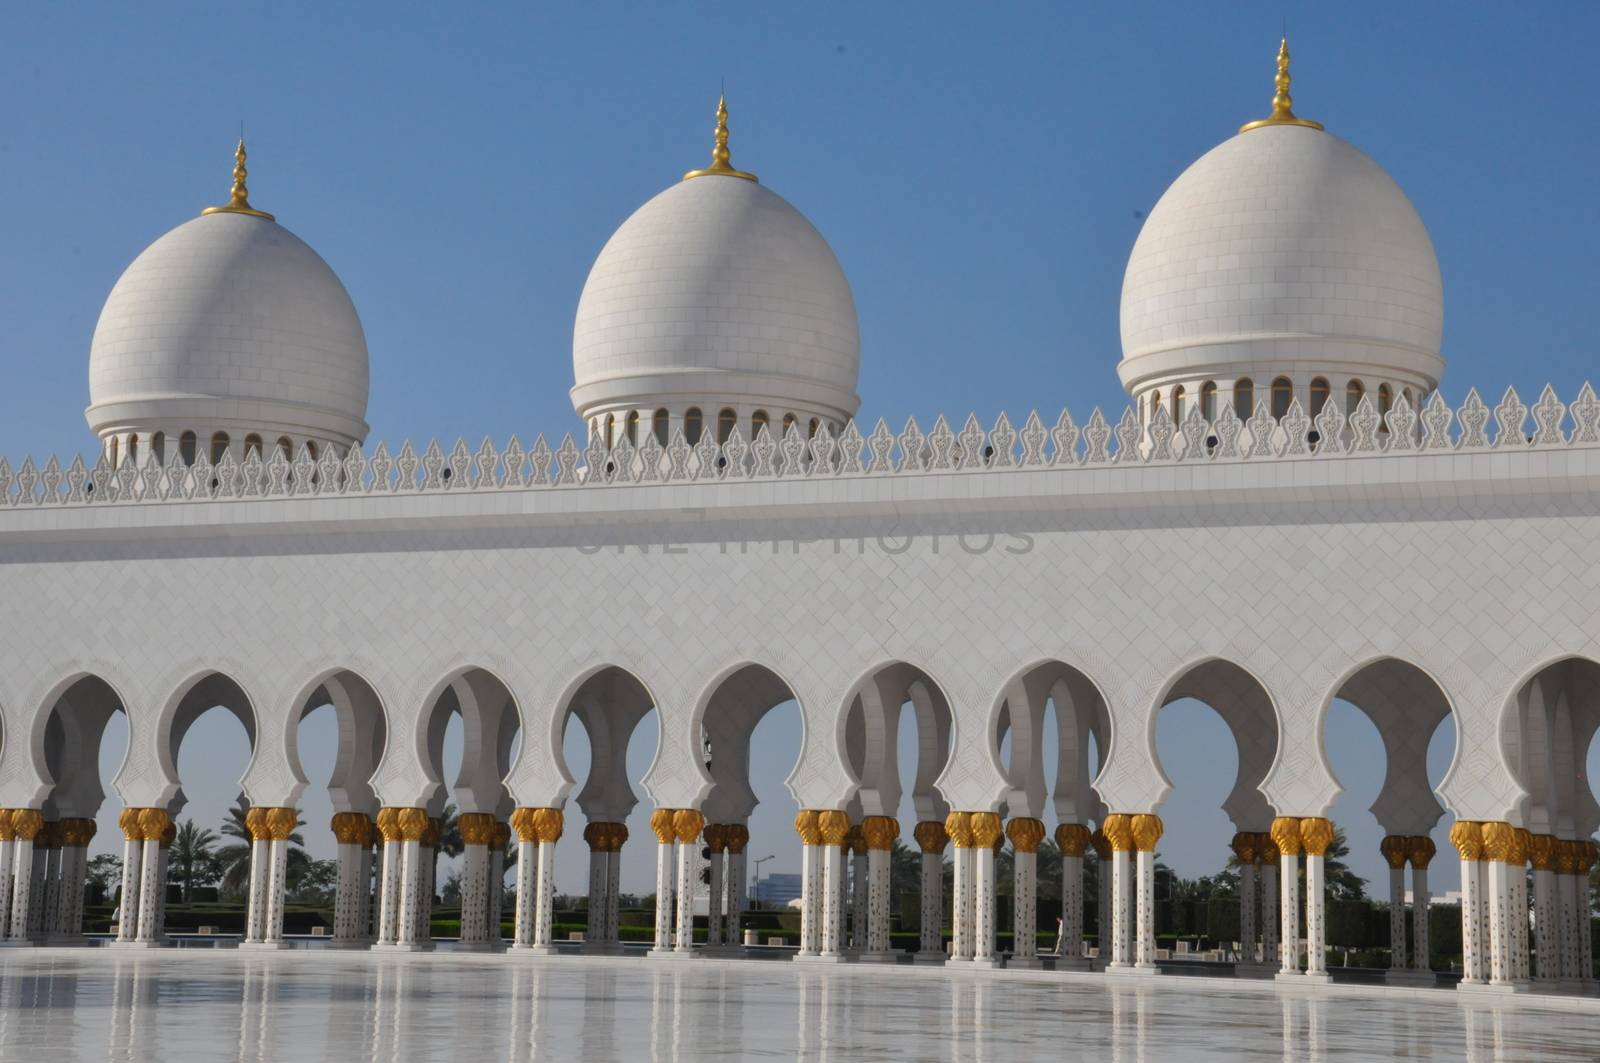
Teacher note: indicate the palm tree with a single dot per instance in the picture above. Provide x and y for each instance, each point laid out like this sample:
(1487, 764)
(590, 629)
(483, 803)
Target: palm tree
(190, 857)
(450, 843)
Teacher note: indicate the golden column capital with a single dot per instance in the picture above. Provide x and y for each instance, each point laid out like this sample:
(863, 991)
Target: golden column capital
(1244, 847)
(1266, 848)
(1467, 836)
(1119, 832)
(1316, 834)
(1101, 843)
(1072, 838)
(661, 826)
(735, 836)
(1587, 855)
(712, 834)
(6, 832)
(502, 835)
(1025, 834)
(597, 834)
(806, 825)
(1395, 849)
(169, 835)
(477, 828)
(958, 825)
(388, 823)
(153, 823)
(350, 828)
(854, 840)
(280, 823)
(522, 823)
(1566, 857)
(435, 832)
(879, 832)
(931, 836)
(834, 825)
(986, 829)
(412, 824)
(547, 825)
(1147, 829)
(688, 823)
(255, 822)
(1498, 840)
(66, 832)
(1286, 835)
(128, 820)
(1542, 850)
(1420, 851)
(49, 836)
(1521, 843)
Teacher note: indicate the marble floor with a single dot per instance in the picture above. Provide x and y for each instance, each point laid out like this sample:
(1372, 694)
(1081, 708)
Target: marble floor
(187, 1004)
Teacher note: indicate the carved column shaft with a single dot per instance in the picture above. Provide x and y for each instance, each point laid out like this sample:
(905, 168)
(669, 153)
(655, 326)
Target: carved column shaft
(931, 840)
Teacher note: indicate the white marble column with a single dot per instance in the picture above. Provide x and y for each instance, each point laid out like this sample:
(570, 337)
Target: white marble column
(984, 949)
(412, 826)
(594, 931)
(737, 837)
(427, 879)
(811, 884)
(1247, 911)
(1070, 944)
(154, 822)
(1398, 960)
(931, 840)
(833, 868)
(1585, 855)
(963, 897)
(8, 844)
(1572, 892)
(1147, 831)
(132, 874)
(1467, 837)
(1105, 905)
(497, 883)
(714, 888)
(276, 888)
(614, 895)
(666, 868)
(688, 823)
(544, 918)
(527, 887)
(255, 911)
(1271, 921)
(37, 883)
(22, 885)
(474, 895)
(351, 835)
(74, 871)
(1498, 842)
(390, 888)
(50, 911)
(1286, 834)
(1517, 871)
(1420, 901)
(859, 897)
(161, 905)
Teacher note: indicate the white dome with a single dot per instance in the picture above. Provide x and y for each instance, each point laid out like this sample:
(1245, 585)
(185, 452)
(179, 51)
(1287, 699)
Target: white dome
(1283, 250)
(716, 292)
(229, 323)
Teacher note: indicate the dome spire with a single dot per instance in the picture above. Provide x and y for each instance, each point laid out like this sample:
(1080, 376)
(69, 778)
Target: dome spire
(239, 195)
(719, 150)
(1282, 104)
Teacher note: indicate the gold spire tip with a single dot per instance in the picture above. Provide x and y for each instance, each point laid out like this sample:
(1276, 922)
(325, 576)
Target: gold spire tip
(1282, 104)
(239, 195)
(720, 167)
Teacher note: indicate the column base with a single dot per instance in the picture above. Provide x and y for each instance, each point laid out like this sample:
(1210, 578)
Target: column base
(1254, 970)
(824, 957)
(1024, 963)
(721, 951)
(477, 946)
(668, 953)
(878, 957)
(350, 943)
(929, 959)
(65, 941)
(1132, 970)
(1408, 977)
(401, 946)
(117, 944)
(534, 950)
(1493, 989)
(22, 943)
(1073, 963)
(602, 948)
(1289, 976)
(992, 963)
(263, 946)
(1317, 977)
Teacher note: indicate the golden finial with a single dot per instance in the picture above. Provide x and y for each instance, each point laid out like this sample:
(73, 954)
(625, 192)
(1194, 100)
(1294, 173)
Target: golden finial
(719, 151)
(1282, 105)
(239, 196)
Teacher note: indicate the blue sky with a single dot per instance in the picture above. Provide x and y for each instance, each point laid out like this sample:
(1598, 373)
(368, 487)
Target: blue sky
(981, 172)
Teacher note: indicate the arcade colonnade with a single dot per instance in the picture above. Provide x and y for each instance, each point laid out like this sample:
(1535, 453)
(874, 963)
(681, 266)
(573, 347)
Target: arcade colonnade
(387, 853)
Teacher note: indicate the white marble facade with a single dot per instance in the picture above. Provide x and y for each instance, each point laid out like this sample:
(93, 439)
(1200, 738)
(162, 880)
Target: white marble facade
(1100, 567)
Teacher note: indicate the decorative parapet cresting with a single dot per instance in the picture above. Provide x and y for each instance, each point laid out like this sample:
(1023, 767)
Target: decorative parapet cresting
(1001, 448)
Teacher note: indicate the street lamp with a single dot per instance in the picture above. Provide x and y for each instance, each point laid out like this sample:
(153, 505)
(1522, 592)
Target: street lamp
(757, 898)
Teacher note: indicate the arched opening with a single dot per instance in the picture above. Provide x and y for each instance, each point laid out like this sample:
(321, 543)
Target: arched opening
(111, 451)
(1244, 398)
(1353, 392)
(1215, 737)
(84, 741)
(339, 741)
(1282, 396)
(610, 431)
(633, 428)
(747, 790)
(1178, 395)
(758, 422)
(617, 733)
(219, 446)
(252, 445)
(207, 745)
(1388, 735)
(727, 420)
(158, 446)
(1385, 402)
(1208, 401)
(1052, 729)
(1319, 395)
(659, 422)
(133, 448)
(286, 448)
(693, 425)
(789, 421)
(812, 426)
(187, 443)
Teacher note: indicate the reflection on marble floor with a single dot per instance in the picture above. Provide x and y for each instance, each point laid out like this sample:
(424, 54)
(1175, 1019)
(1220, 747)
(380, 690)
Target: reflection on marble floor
(80, 1005)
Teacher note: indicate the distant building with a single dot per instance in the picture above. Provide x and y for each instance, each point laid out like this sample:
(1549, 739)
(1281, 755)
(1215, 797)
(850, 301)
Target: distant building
(777, 889)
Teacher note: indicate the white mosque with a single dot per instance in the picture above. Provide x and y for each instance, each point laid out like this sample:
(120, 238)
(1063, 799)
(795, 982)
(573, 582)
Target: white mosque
(1288, 512)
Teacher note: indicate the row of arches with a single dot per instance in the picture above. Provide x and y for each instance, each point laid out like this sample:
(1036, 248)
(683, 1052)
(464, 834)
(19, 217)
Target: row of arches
(1280, 394)
(189, 443)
